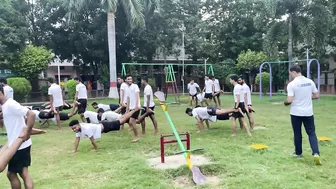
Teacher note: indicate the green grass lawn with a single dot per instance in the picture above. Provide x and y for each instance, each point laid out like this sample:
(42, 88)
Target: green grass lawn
(122, 164)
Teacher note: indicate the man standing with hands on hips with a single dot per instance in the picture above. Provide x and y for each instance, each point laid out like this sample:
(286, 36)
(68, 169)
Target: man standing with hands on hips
(301, 91)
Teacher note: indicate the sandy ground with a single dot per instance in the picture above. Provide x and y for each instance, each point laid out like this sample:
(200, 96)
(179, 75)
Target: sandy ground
(176, 161)
(187, 183)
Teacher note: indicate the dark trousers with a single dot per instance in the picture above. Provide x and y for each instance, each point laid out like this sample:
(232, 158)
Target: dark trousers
(309, 125)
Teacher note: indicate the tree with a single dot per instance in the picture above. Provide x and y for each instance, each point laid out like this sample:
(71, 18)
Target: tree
(134, 15)
(250, 61)
(32, 61)
(13, 29)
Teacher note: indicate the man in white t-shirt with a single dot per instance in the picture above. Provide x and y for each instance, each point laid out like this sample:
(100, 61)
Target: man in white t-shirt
(209, 89)
(123, 96)
(133, 93)
(217, 90)
(247, 101)
(148, 105)
(106, 107)
(56, 100)
(300, 93)
(18, 134)
(238, 95)
(8, 90)
(108, 115)
(93, 131)
(91, 117)
(207, 114)
(81, 97)
(193, 88)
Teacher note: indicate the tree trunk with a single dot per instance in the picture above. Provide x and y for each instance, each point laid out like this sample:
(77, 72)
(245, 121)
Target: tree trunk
(111, 35)
(290, 39)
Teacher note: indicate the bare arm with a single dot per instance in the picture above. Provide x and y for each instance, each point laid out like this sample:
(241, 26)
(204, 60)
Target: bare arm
(122, 96)
(316, 96)
(289, 100)
(148, 100)
(76, 96)
(30, 120)
(76, 144)
(93, 142)
(200, 123)
(137, 99)
(238, 100)
(51, 98)
(207, 123)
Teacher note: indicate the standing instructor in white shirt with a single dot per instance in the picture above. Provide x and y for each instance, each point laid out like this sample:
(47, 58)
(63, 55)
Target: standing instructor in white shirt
(209, 89)
(13, 116)
(8, 90)
(301, 91)
(81, 97)
(56, 100)
(192, 88)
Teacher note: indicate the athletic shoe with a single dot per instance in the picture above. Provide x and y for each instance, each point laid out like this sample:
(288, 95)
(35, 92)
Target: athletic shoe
(295, 155)
(317, 159)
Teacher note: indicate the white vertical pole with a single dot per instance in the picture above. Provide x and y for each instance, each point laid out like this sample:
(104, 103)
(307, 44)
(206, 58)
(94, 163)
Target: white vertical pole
(59, 74)
(307, 56)
(183, 54)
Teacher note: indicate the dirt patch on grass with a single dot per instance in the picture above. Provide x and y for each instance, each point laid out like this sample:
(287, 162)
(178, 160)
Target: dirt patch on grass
(176, 161)
(187, 183)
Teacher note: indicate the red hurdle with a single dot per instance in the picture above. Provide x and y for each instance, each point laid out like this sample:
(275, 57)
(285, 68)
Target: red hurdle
(163, 142)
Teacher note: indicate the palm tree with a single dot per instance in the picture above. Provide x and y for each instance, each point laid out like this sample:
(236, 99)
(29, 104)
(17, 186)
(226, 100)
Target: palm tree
(133, 11)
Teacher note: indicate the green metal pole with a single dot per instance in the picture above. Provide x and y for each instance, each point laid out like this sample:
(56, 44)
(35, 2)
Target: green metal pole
(123, 70)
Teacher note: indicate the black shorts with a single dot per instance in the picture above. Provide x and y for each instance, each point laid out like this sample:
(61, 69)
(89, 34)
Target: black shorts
(135, 114)
(64, 116)
(143, 111)
(82, 105)
(211, 111)
(113, 107)
(223, 117)
(111, 126)
(20, 160)
(45, 115)
(208, 95)
(194, 96)
(238, 114)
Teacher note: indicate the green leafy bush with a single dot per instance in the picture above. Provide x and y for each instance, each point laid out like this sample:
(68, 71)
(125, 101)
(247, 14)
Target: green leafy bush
(44, 91)
(227, 81)
(21, 87)
(265, 81)
(71, 88)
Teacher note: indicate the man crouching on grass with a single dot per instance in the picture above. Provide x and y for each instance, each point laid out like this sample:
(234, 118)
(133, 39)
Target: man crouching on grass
(94, 131)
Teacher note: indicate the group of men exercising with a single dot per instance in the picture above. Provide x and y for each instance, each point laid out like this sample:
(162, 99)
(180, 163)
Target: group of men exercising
(211, 91)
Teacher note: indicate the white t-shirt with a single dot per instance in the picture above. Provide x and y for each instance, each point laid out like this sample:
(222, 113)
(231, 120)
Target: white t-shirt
(105, 107)
(247, 90)
(93, 116)
(131, 92)
(238, 90)
(123, 88)
(56, 92)
(208, 86)
(302, 89)
(82, 92)
(202, 113)
(200, 97)
(148, 91)
(193, 88)
(13, 117)
(110, 116)
(217, 86)
(88, 130)
(8, 91)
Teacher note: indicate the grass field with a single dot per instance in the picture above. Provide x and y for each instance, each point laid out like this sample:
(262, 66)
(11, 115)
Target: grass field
(122, 164)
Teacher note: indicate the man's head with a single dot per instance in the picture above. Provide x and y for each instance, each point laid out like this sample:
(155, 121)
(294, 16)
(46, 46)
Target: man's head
(234, 79)
(144, 81)
(295, 71)
(3, 81)
(94, 105)
(206, 77)
(74, 124)
(192, 81)
(120, 80)
(51, 80)
(212, 78)
(100, 112)
(189, 111)
(78, 80)
(129, 80)
(241, 79)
